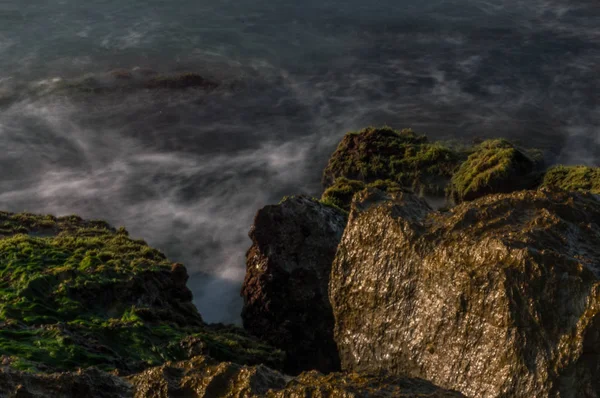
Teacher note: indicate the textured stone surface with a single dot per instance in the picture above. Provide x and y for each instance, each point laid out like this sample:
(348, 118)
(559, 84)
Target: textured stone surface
(498, 298)
(202, 377)
(205, 378)
(353, 385)
(285, 290)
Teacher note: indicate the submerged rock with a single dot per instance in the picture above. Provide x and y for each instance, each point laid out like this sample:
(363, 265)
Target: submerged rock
(202, 377)
(180, 81)
(125, 80)
(495, 166)
(404, 157)
(498, 298)
(573, 178)
(287, 275)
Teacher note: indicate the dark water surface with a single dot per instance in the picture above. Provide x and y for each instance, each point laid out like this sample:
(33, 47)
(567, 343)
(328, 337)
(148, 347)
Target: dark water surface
(186, 170)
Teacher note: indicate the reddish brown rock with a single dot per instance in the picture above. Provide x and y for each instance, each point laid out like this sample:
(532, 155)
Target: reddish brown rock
(285, 290)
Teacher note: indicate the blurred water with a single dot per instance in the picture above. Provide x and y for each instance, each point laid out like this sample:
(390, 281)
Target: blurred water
(186, 170)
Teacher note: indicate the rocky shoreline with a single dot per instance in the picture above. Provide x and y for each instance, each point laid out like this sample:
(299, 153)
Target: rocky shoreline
(365, 292)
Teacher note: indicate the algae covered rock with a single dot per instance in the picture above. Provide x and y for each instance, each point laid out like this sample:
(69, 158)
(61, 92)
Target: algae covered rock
(573, 178)
(287, 274)
(499, 297)
(495, 166)
(77, 293)
(404, 157)
(341, 192)
(91, 383)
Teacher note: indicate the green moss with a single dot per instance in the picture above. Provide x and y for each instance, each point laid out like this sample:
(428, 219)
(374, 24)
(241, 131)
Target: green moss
(341, 192)
(76, 293)
(573, 178)
(494, 166)
(404, 157)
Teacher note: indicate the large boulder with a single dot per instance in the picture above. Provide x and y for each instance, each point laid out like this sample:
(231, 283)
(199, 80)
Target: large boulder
(203, 377)
(407, 158)
(287, 274)
(498, 298)
(495, 166)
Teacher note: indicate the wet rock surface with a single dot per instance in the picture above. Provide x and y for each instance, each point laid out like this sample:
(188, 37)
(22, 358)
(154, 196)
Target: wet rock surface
(354, 385)
(206, 378)
(499, 297)
(340, 194)
(287, 275)
(203, 377)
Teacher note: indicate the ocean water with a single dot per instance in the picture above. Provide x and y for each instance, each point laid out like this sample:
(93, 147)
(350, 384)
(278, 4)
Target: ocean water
(186, 170)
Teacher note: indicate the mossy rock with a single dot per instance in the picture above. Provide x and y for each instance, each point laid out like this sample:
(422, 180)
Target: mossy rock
(573, 178)
(77, 293)
(404, 157)
(341, 192)
(495, 166)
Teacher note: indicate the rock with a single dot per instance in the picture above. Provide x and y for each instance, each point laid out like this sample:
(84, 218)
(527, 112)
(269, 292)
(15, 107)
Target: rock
(499, 297)
(287, 274)
(91, 383)
(77, 293)
(121, 74)
(495, 166)
(341, 192)
(125, 80)
(180, 81)
(404, 157)
(353, 385)
(573, 178)
(202, 377)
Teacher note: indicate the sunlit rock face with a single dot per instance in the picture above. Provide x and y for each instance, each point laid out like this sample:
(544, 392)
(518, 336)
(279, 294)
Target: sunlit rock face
(497, 298)
(203, 377)
(285, 290)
